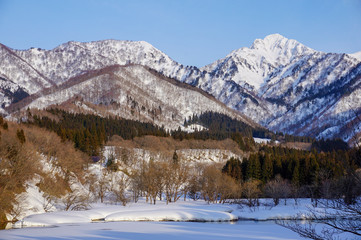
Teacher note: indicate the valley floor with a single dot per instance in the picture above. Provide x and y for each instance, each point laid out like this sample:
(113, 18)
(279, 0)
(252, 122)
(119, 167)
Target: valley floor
(154, 230)
(161, 221)
(183, 211)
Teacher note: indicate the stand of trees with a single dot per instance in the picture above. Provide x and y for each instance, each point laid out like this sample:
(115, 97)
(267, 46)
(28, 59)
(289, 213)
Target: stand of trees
(90, 132)
(218, 122)
(329, 145)
(22, 148)
(300, 173)
(292, 138)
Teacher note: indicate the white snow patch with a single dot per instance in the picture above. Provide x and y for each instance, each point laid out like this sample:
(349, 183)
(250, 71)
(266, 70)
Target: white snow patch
(180, 211)
(356, 55)
(263, 140)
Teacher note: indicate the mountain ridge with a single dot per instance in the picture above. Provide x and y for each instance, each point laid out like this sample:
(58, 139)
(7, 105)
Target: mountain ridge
(130, 91)
(356, 55)
(277, 82)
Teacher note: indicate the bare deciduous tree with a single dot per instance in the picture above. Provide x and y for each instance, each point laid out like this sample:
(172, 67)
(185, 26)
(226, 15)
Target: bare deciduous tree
(75, 201)
(229, 188)
(251, 192)
(17, 165)
(336, 216)
(175, 176)
(278, 188)
(333, 218)
(217, 186)
(153, 180)
(210, 179)
(136, 184)
(118, 189)
(193, 188)
(102, 185)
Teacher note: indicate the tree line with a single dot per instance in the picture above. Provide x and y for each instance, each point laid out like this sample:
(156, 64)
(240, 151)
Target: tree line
(22, 148)
(90, 132)
(218, 122)
(307, 173)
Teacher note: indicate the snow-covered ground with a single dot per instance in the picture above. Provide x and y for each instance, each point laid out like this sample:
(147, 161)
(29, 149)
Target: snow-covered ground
(181, 220)
(263, 140)
(154, 230)
(145, 221)
(180, 211)
(141, 211)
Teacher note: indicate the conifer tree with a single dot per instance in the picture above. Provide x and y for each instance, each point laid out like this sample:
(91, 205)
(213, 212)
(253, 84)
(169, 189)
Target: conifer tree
(175, 158)
(233, 168)
(296, 174)
(254, 167)
(21, 136)
(267, 169)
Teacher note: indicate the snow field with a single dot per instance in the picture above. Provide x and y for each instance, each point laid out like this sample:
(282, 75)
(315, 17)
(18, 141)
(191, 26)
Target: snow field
(246, 230)
(185, 211)
(181, 211)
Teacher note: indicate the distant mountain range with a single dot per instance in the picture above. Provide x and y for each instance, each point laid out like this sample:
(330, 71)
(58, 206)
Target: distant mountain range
(277, 82)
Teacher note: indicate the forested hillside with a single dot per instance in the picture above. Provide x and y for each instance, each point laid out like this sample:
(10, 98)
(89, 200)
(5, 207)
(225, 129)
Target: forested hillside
(26, 152)
(132, 159)
(90, 132)
(277, 82)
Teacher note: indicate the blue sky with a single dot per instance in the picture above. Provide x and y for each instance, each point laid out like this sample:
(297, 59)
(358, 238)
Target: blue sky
(192, 32)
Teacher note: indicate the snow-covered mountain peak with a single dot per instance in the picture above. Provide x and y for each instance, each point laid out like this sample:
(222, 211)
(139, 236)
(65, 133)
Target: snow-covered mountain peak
(278, 82)
(276, 47)
(110, 46)
(356, 55)
(92, 44)
(249, 67)
(269, 41)
(54, 67)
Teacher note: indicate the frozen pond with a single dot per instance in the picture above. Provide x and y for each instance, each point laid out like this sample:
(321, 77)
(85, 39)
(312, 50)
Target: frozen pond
(155, 230)
(146, 221)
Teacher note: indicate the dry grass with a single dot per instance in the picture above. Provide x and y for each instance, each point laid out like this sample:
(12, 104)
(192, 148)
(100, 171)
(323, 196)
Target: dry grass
(164, 144)
(20, 162)
(297, 145)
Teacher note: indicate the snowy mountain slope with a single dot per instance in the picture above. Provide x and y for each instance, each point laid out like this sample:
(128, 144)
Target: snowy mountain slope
(74, 58)
(277, 82)
(356, 55)
(287, 87)
(36, 69)
(134, 92)
(250, 67)
(18, 70)
(10, 93)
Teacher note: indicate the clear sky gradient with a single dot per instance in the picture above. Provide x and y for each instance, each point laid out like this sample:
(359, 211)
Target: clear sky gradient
(192, 32)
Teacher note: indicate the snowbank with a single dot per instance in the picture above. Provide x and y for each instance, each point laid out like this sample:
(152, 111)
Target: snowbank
(184, 211)
(183, 215)
(155, 231)
(180, 211)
